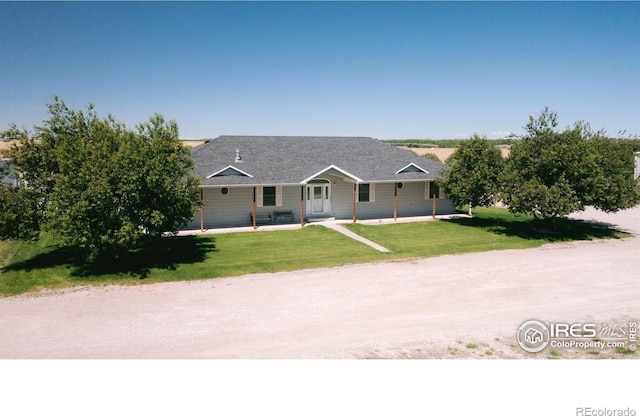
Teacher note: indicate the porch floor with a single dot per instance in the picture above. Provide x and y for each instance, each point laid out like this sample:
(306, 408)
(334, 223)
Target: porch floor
(327, 221)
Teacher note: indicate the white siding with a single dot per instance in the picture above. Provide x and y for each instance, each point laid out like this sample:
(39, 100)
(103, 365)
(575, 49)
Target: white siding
(410, 202)
(342, 199)
(381, 207)
(234, 208)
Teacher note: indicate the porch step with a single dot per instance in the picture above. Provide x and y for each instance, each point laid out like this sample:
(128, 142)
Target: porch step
(319, 218)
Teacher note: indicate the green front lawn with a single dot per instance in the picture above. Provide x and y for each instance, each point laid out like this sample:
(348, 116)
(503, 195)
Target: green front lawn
(27, 267)
(490, 229)
(30, 267)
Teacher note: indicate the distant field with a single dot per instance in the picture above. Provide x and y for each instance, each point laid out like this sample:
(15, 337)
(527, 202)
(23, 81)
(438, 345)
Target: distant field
(4, 145)
(192, 143)
(441, 152)
(444, 153)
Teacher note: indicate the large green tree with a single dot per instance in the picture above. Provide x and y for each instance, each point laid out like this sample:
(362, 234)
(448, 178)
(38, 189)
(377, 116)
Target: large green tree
(552, 173)
(96, 185)
(473, 177)
(617, 188)
(19, 217)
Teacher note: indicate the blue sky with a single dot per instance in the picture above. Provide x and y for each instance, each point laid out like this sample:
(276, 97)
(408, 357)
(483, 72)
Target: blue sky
(380, 69)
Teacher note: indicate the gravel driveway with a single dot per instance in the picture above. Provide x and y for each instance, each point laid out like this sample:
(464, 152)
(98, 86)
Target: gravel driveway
(451, 306)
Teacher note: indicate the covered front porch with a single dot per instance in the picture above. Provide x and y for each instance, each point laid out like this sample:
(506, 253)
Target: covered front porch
(329, 196)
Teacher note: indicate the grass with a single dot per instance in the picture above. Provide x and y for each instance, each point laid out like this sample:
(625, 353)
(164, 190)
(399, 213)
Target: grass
(624, 351)
(553, 354)
(29, 267)
(490, 229)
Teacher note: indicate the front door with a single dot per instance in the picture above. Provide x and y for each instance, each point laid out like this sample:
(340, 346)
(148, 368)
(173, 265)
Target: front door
(319, 198)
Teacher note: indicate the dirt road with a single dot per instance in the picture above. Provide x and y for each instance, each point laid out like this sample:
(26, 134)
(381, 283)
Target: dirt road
(451, 306)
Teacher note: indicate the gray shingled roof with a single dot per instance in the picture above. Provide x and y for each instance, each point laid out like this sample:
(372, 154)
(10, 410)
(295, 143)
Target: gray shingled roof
(293, 160)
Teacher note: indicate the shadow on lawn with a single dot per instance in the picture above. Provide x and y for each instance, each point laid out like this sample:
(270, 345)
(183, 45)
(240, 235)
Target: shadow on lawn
(153, 253)
(562, 229)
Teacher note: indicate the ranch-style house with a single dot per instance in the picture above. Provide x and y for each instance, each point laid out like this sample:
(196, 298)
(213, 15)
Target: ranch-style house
(255, 180)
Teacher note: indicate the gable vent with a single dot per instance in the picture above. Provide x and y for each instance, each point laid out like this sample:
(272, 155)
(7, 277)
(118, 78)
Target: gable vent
(229, 171)
(411, 167)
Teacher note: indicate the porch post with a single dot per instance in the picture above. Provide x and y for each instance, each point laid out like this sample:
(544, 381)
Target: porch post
(395, 201)
(355, 189)
(302, 206)
(201, 210)
(433, 206)
(254, 208)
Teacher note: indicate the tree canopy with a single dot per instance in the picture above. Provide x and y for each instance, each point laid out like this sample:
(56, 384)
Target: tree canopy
(549, 173)
(473, 177)
(96, 185)
(617, 188)
(552, 173)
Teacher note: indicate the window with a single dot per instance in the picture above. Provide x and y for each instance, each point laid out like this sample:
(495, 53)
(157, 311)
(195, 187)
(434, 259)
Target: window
(319, 192)
(363, 192)
(431, 189)
(269, 196)
(366, 192)
(434, 190)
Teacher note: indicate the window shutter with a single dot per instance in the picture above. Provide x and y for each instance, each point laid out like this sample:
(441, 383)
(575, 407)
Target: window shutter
(259, 196)
(426, 190)
(372, 192)
(278, 196)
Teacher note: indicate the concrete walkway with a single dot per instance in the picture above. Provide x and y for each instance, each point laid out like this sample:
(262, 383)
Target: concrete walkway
(336, 227)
